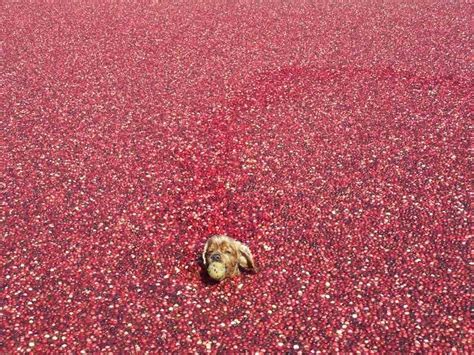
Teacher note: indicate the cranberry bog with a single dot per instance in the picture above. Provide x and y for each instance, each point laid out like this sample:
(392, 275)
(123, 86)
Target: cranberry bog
(331, 137)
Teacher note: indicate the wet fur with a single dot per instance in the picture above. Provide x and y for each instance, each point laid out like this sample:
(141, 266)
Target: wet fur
(234, 254)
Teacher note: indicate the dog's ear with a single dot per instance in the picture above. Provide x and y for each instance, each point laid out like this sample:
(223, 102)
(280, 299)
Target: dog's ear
(206, 246)
(245, 257)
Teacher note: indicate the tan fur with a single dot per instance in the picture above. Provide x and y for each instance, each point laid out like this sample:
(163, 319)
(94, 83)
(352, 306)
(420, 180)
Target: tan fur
(233, 254)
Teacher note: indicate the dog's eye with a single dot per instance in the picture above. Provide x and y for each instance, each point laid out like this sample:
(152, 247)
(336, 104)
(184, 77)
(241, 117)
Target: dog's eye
(228, 252)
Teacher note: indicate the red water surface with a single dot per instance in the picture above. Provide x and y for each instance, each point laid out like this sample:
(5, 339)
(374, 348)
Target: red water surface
(331, 137)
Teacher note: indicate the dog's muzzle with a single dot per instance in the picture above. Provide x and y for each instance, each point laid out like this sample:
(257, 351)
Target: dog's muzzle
(216, 257)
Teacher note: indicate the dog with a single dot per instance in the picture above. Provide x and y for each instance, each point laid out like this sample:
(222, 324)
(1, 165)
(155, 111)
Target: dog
(230, 252)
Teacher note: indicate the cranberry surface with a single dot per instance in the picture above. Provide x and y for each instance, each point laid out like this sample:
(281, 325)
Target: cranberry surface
(331, 137)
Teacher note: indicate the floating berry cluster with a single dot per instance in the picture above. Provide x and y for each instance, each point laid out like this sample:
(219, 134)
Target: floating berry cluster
(331, 137)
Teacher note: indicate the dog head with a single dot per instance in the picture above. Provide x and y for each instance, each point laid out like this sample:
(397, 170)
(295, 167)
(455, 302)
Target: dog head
(232, 253)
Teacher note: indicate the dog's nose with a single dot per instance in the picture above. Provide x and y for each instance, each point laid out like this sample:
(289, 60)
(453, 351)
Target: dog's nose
(216, 257)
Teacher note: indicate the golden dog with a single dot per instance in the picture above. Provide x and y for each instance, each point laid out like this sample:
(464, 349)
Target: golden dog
(230, 252)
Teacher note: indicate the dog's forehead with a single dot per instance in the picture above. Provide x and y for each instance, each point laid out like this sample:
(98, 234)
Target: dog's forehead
(219, 239)
(220, 242)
